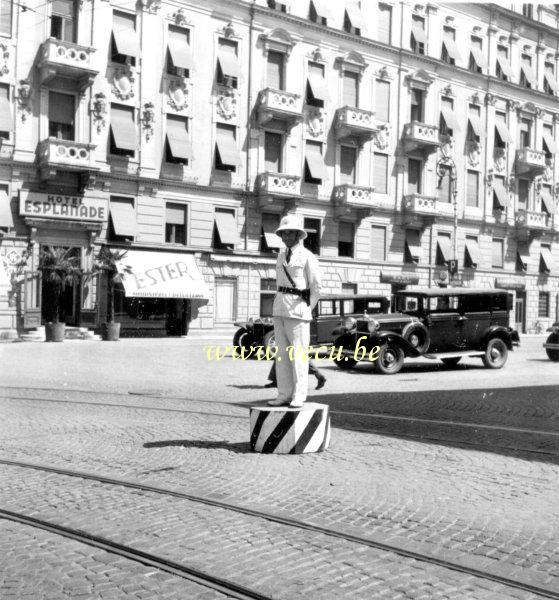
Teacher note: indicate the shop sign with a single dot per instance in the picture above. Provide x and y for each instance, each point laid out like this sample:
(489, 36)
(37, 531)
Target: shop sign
(399, 278)
(59, 206)
(510, 285)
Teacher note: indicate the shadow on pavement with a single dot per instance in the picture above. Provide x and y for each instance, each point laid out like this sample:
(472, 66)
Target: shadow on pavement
(237, 447)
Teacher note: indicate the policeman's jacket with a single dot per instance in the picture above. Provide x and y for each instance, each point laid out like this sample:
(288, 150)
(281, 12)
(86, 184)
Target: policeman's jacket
(305, 272)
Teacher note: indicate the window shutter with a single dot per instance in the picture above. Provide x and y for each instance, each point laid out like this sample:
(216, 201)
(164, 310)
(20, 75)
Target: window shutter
(347, 164)
(351, 86)
(63, 8)
(414, 175)
(275, 70)
(384, 23)
(272, 152)
(61, 108)
(6, 17)
(378, 243)
(380, 173)
(444, 187)
(472, 189)
(345, 232)
(175, 214)
(382, 100)
(497, 254)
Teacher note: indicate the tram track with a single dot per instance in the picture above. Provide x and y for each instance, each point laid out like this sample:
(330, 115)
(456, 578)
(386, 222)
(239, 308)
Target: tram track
(422, 422)
(469, 565)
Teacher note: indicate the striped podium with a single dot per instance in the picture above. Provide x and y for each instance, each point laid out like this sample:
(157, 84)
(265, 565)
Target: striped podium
(285, 430)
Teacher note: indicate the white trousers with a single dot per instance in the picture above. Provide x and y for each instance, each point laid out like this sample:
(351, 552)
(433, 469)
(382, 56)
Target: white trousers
(292, 374)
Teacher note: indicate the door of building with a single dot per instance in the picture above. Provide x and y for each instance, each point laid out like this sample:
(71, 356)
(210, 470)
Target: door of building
(520, 312)
(225, 299)
(70, 297)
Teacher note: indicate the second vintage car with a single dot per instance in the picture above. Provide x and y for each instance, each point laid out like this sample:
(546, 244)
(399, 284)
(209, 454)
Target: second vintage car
(437, 323)
(552, 343)
(329, 314)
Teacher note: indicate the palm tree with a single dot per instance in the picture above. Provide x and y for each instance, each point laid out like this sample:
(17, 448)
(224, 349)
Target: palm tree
(105, 262)
(59, 267)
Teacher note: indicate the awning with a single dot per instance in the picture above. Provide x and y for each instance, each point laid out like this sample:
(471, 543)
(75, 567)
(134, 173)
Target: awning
(355, 16)
(546, 260)
(529, 74)
(272, 239)
(6, 121)
(503, 132)
(443, 244)
(322, 9)
(549, 142)
(418, 33)
(505, 66)
(413, 244)
(123, 217)
(6, 216)
(523, 253)
(177, 136)
(124, 129)
(126, 40)
(472, 248)
(551, 81)
(226, 228)
(180, 54)
(452, 49)
(478, 57)
(226, 145)
(318, 87)
(499, 194)
(229, 63)
(148, 274)
(175, 214)
(315, 162)
(450, 118)
(63, 8)
(547, 200)
(475, 122)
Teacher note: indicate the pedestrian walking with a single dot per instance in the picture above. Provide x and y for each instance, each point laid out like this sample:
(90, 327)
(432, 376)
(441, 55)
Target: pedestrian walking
(313, 370)
(298, 285)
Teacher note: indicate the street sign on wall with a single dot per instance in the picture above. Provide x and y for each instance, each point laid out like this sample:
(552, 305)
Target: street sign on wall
(60, 206)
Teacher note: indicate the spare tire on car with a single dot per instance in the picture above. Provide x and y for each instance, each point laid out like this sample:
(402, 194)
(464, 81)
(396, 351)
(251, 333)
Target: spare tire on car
(417, 335)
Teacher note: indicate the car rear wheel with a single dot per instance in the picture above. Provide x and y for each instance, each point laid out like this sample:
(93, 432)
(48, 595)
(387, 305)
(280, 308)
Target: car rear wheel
(552, 354)
(244, 341)
(451, 362)
(496, 354)
(390, 359)
(345, 362)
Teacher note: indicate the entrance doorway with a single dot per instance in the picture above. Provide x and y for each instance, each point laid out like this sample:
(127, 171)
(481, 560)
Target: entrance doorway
(70, 297)
(225, 299)
(520, 312)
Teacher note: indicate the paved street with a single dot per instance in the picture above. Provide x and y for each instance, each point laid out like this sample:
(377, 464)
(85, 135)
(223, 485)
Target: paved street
(439, 483)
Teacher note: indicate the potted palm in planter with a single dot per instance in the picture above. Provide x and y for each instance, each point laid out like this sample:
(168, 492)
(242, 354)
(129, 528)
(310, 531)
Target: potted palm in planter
(105, 262)
(59, 267)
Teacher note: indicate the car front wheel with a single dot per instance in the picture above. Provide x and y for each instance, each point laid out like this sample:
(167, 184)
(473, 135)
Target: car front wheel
(496, 354)
(390, 359)
(553, 354)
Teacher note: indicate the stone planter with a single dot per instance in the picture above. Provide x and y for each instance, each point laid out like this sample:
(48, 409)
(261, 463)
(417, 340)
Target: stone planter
(54, 332)
(110, 332)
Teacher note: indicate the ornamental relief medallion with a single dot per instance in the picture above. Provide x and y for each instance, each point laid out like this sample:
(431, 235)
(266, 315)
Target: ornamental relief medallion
(447, 146)
(123, 83)
(226, 105)
(315, 122)
(179, 94)
(381, 138)
(473, 150)
(547, 175)
(500, 159)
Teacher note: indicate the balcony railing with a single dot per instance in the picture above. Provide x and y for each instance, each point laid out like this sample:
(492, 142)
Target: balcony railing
(355, 122)
(279, 184)
(277, 104)
(529, 219)
(420, 136)
(58, 58)
(54, 154)
(530, 161)
(349, 197)
(430, 206)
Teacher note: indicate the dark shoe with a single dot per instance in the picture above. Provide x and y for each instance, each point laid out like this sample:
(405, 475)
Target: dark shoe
(320, 382)
(271, 384)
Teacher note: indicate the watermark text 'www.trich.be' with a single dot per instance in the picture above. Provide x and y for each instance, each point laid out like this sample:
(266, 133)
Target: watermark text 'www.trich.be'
(338, 354)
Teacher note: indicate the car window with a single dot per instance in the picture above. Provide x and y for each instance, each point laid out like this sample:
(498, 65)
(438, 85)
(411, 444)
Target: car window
(475, 303)
(326, 307)
(443, 303)
(407, 304)
(374, 306)
(499, 302)
(349, 306)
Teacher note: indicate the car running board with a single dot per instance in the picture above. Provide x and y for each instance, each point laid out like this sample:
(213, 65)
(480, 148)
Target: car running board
(551, 346)
(439, 355)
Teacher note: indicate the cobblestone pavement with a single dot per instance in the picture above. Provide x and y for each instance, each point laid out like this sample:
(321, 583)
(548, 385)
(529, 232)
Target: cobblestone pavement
(494, 503)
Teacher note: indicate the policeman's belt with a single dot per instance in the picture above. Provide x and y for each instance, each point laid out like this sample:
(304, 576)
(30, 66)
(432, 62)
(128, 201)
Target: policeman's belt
(305, 294)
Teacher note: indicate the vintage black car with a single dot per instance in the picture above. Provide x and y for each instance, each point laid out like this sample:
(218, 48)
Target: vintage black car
(552, 343)
(437, 323)
(328, 315)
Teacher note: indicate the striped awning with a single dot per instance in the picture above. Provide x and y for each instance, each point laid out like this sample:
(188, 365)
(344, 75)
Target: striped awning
(472, 249)
(413, 244)
(226, 228)
(444, 247)
(499, 194)
(123, 217)
(546, 260)
(503, 132)
(547, 201)
(478, 57)
(355, 16)
(177, 137)
(450, 118)
(226, 145)
(315, 162)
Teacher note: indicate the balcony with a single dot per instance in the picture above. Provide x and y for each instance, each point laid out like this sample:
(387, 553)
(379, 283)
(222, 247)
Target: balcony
(65, 155)
(348, 198)
(529, 221)
(356, 123)
(271, 186)
(276, 104)
(68, 60)
(420, 136)
(530, 162)
(427, 206)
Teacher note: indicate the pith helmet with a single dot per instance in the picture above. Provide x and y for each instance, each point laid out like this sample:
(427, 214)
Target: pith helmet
(292, 222)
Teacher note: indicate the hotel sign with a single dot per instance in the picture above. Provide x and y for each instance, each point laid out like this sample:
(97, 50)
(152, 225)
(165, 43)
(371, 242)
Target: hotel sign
(59, 206)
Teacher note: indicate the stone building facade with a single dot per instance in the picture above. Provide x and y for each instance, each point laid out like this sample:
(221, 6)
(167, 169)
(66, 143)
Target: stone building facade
(417, 141)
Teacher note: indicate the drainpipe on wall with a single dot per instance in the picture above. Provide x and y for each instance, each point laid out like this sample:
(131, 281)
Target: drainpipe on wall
(249, 141)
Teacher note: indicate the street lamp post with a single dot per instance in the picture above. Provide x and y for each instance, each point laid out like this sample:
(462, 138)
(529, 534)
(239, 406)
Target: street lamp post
(442, 166)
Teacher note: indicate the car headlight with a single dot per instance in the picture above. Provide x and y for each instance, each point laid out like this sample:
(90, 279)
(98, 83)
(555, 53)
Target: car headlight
(373, 325)
(350, 323)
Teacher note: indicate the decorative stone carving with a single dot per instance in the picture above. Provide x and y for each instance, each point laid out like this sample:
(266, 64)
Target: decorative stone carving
(510, 183)
(547, 175)
(477, 30)
(148, 119)
(5, 55)
(98, 110)
(489, 180)
(473, 150)
(150, 6)
(229, 31)
(226, 105)
(279, 40)
(449, 20)
(315, 122)
(317, 56)
(513, 105)
(24, 97)
(179, 18)
(556, 117)
(447, 91)
(475, 99)
(490, 99)
(419, 80)
(419, 8)
(447, 147)
(500, 159)
(381, 138)
(179, 94)
(352, 61)
(384, 74)
(540, 112)
(123, 82)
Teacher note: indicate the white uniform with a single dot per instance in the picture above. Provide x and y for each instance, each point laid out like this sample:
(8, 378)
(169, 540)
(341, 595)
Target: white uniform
(292, 316)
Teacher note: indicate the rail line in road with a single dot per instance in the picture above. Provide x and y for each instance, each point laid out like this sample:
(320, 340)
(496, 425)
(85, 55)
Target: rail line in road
(508, 575)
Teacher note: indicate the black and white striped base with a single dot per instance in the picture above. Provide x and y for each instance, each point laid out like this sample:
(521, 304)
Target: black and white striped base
(284, 430)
